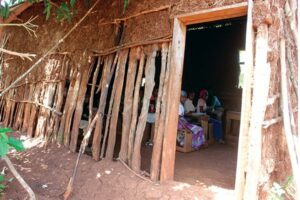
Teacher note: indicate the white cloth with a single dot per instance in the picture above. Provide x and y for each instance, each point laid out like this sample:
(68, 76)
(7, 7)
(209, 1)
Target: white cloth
(151, 118)
(201, 102)
(189, 106)
(181, 110)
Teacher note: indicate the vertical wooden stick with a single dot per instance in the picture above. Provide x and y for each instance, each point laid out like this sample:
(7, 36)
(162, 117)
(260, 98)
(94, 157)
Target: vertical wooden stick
(135, 106)
(127, 111)
(116, 105)
(287, 121)
(109, 68)
(160, 117)
(79, 105)
(246, 110)
(261, 83)
(149, 85)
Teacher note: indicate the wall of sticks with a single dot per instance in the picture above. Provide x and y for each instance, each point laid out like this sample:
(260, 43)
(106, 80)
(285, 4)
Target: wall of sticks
(52, 107)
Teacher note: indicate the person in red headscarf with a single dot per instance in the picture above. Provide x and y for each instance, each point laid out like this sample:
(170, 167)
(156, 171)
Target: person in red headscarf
(201, 105)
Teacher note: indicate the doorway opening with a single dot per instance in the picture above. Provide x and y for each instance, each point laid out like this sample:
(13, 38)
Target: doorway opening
(213, 61)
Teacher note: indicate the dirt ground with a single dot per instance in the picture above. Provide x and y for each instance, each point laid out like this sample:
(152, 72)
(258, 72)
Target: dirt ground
(47, 171)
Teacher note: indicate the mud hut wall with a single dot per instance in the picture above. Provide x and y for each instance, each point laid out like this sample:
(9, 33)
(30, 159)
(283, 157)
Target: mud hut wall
(98, 34)
(270, 23)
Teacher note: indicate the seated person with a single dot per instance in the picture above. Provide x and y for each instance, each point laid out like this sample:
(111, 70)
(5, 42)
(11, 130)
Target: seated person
(217, 122)
(201, 105)
(198, 138)
(188, 104)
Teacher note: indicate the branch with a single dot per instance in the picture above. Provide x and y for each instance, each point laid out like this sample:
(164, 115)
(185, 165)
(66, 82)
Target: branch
(28, 56)
(28, 25)
(49, 51)
(19, 178)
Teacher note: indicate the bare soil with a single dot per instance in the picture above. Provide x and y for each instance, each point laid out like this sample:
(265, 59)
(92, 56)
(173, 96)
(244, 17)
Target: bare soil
(208, 174)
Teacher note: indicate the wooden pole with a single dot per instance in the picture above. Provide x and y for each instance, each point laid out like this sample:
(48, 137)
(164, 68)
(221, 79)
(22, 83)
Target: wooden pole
(287, 121)
(128, 100)
(79, 105)
(173, 97)
(246, 110)
(116, 105)
(261, 83)
(149, 85)
(110, 109)
(160, 117)
(109, 68)
(135, 107)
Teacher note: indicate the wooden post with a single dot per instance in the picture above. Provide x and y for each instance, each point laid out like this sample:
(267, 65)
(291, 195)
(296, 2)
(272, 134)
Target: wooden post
(60, 95)
(260, 96)
(47, 96)
(109, 68)
(34, 111)
(246, 110)
(70, 105)
(116, 105)
(161, 114)
(79, 104)
(173, 97)
(128, 100)
(149, 85)
(27, 108)
(110, 107)
(135, 106)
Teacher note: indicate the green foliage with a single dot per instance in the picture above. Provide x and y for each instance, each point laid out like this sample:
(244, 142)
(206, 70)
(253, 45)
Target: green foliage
(64, 11)
(285, 190)
(8, 142)
(126, 2)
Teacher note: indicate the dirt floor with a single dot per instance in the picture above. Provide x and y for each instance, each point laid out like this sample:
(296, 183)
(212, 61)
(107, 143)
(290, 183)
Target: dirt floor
(48, 170)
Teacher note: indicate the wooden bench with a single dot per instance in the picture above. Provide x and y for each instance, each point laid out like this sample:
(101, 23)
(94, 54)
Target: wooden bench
(188, 136)
(230, 117)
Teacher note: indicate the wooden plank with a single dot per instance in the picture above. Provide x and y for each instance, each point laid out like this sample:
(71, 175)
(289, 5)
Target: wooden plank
(135, 107)
(173, 97)
(261, 83)
(33, 112)
(161, 114)
(108, 116)
(28, 106)
(87, 68)
(47, 95)
(109, 68)
(214, 14)
(92, 93)
(70, 105)
(149, 85)
(59, 95)
(116, 105)
(128, 100)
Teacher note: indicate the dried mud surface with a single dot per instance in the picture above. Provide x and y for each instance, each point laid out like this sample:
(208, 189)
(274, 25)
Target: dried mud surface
(47, 171)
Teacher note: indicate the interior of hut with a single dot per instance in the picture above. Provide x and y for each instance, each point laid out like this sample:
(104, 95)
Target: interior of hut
(212, 72)
(213, 61)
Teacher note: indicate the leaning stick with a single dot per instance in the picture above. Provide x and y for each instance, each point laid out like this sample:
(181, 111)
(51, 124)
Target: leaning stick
(19, 178)
(81, 151)
(287, 121)
(48, 52)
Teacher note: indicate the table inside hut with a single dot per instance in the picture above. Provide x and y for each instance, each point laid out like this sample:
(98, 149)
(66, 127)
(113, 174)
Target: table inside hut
(198, 116)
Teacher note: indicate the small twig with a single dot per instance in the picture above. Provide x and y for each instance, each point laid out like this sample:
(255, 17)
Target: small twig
(28, 25)
(266, 124)
(136, 174)
(38, 104)
(49, 51)
(28, 56)
(19, 178)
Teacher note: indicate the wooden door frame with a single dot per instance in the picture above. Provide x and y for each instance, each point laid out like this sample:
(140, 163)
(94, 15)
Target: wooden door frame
(176, 69)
